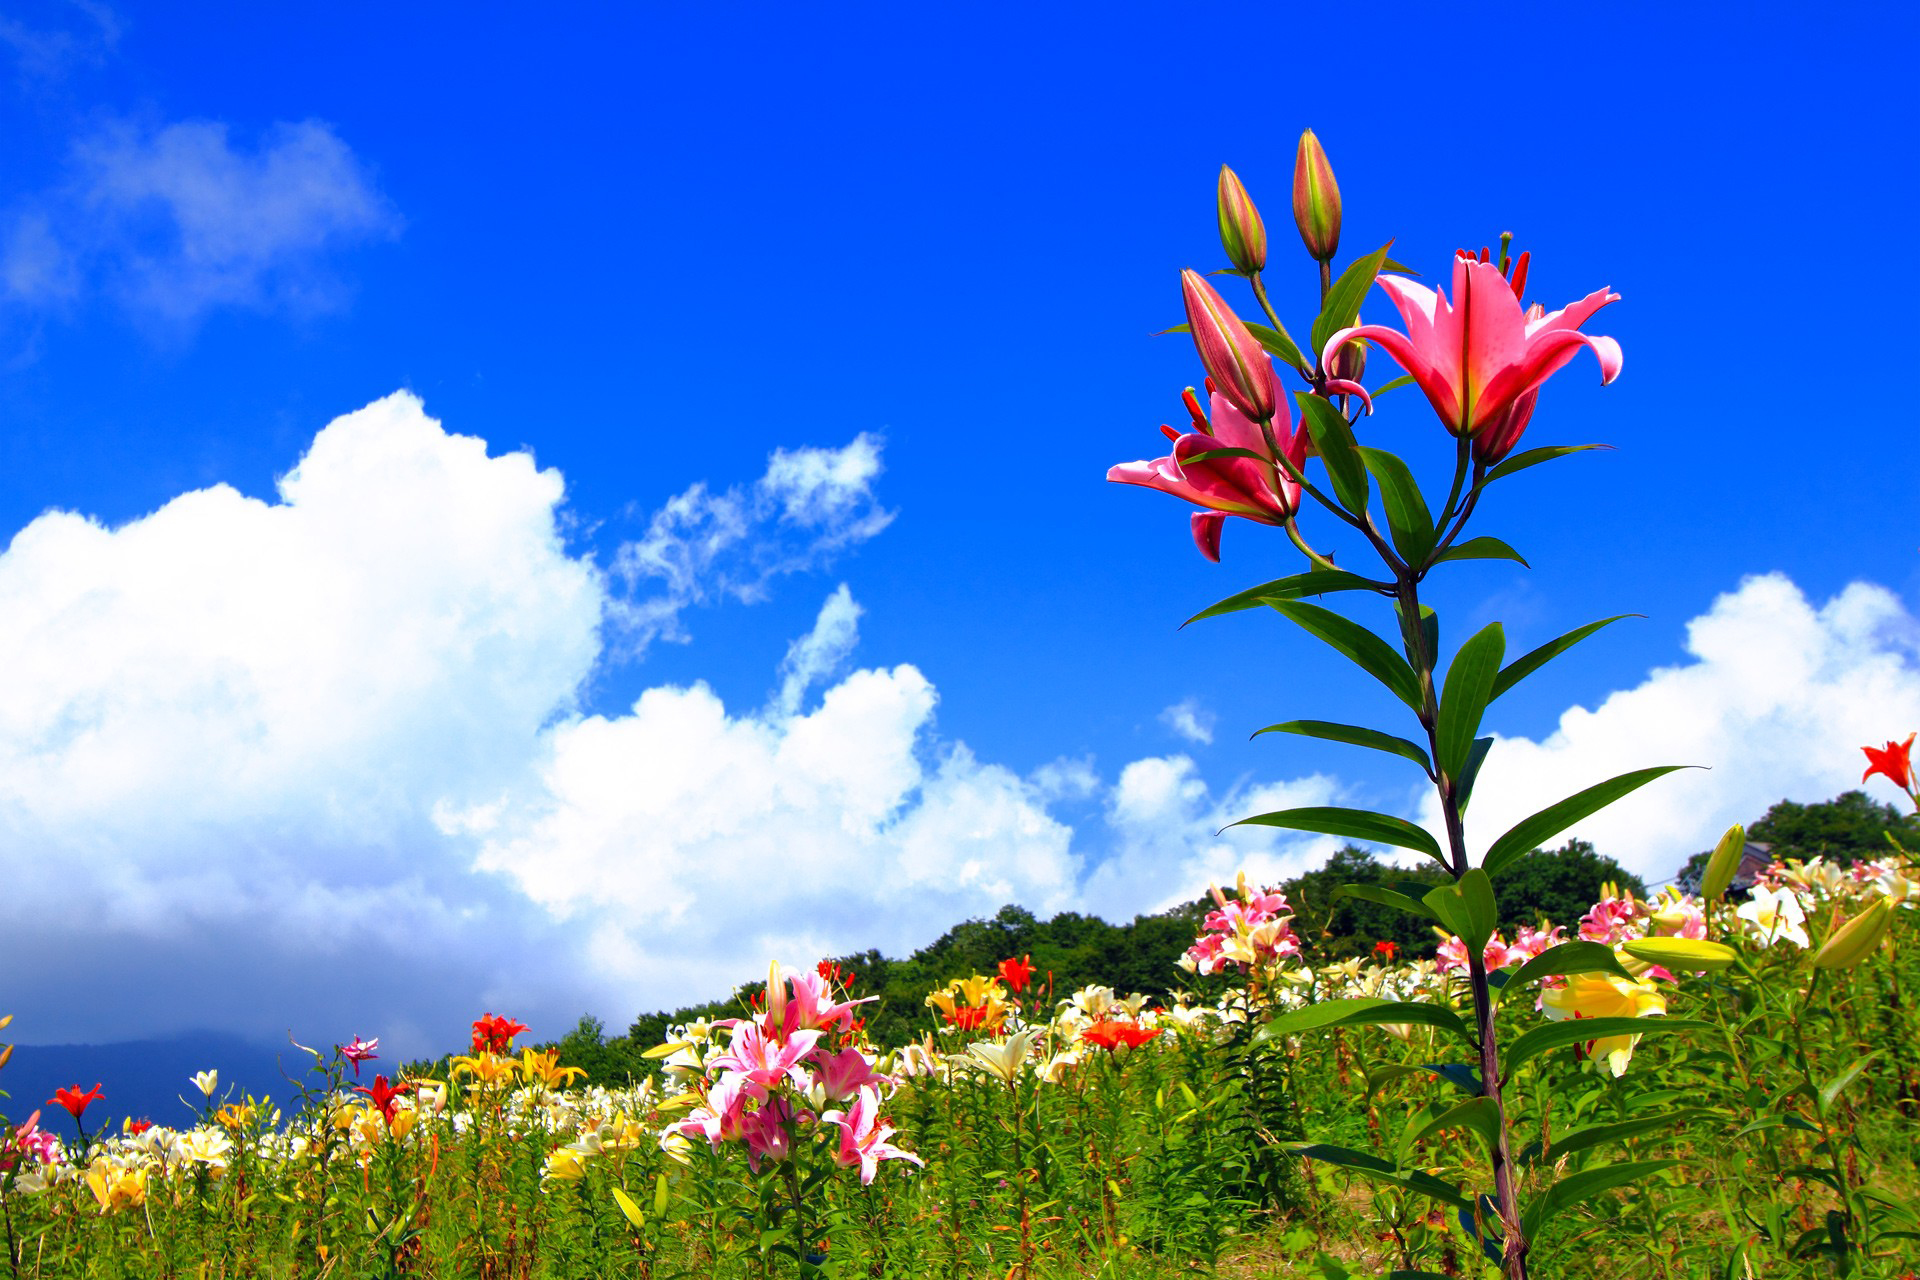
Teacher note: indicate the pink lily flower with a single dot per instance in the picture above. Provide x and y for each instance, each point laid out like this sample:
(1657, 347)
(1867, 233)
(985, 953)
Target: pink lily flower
(810, 1004)
(763, 1059)
(766, 1133)
(844, 1074)
(1253, 488)
(1481, 358)
(724, 1116)
(358, 1051)
(863, 1136)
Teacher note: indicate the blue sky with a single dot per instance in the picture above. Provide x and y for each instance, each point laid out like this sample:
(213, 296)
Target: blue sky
(882, 286)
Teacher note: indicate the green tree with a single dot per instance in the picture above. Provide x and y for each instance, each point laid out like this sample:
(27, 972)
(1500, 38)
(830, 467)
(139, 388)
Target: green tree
(1848, 827)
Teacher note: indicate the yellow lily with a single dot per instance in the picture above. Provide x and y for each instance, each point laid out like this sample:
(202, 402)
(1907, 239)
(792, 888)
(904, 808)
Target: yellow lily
(1599, 995)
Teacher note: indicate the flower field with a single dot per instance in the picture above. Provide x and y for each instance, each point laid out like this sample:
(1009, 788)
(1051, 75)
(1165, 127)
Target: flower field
(1758, 1118)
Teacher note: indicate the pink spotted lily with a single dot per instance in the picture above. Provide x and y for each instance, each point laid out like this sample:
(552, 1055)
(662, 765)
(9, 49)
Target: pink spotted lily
(863, 1136)
(763, 1059)
(1481, 358)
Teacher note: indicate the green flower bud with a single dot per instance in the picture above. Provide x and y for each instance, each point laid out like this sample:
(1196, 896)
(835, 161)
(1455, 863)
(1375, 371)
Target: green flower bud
(1316, 199)
(1242, 234)
(1724, 862)
(1855, 940)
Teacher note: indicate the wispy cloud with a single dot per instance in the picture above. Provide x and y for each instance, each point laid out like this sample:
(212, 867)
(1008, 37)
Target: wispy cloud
(702, 546)
(176, 221)
(1190, 720)
(50, 52)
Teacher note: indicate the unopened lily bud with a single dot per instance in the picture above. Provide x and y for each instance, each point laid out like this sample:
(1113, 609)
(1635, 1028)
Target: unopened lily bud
(1237, 364)
(1350, 361)
(1724, 862)
(1316, 199)
(6, 1055)
(776, 996)
(1855, 940)
(1242, 234)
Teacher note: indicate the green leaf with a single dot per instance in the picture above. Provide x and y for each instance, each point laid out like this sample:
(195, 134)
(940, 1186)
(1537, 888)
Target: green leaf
(1279, 342)
(1534, 457)
(1563, 960)
(1355, 824)
(1394, 1013)
(1385, 897)
(1558, 1035)
(1322, 1014)
(1314, 583)
(1464, 697)
(1404, 380)
(1208, 455)
(1372, 654)
(1555, 818)
(1408, 519)
(1525, 665)
(1585, 1185)
(1353, 735)
(1470, 772)
(1379, 1170)
(1696, 955)
(1477, 1114)
(1401, 268)
(1467, 908)
(1334, 439)
(1481, 548)
(1834, 1087)
(1595, 1135)
(1382, 1074)
(1345, 295)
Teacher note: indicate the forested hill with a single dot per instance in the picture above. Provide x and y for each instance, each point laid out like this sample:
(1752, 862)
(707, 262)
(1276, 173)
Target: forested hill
(1072, 950)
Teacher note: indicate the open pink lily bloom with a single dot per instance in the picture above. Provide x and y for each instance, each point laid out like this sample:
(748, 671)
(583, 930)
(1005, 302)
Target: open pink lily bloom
(863, 1136)
(1235, 486)
(1481, 358)
(764, 1059)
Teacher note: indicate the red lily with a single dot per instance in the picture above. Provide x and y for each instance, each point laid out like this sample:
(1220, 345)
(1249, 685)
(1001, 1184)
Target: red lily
(1110, 1035)
(1481, 358)
(1891, 760)
(1385, 949)
(386, 1096)
(75, 1101)
(1017, 973)
(494, 1033)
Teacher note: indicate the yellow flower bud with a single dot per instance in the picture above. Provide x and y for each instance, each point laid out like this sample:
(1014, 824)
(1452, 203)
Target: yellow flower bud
(1855, 940)
(1724, 862)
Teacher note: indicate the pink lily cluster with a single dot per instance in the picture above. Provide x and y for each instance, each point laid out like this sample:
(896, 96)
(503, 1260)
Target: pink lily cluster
(1253, 930)
(31, 1141)
(780, 1068)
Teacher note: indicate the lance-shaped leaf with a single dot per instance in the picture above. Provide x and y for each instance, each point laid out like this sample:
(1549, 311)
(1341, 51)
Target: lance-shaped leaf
(1467, 908)
(1355, 824)
(1481, 548)
(1334, 440)
(1564, 960)
(1324, 1013)
(1464, 697)
(1366, 1011)
(1558, 1035)
(1584, 1186)
(1408, 519)
(1477, 1114)
(1836, 1086)
(1387, 898)
(1528, 663)
(1695, 955)
(1345, 296)
(1314, 583)
(1535, 831)
(1470, 772)
(1534, 457)
(1353, 735)
(1373, 1167)
(1280, 343)
(1596, 1135)
(1372, 654)
(1404, 380)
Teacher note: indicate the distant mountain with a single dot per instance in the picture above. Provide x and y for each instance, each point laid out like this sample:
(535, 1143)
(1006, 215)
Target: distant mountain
(144, 1078)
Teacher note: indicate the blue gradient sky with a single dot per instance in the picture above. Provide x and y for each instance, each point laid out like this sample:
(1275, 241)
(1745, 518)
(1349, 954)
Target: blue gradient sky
(655, 245)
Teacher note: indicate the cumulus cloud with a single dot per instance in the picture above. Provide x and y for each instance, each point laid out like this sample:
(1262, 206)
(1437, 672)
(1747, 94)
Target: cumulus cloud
(225, 724)
(808, 506)
(178, 220)
(1775, 703)
(1190, 720)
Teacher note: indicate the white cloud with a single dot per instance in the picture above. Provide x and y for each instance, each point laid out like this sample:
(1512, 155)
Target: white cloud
(48, 53)
(702, 546)
(822, 651)
(1190, 720)
(1775, 704)
(178, 220)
